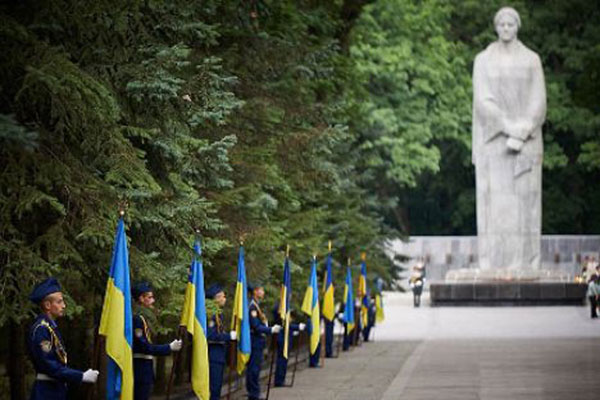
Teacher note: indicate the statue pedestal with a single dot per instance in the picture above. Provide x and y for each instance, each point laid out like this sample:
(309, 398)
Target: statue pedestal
(507, 286)
(507, 293)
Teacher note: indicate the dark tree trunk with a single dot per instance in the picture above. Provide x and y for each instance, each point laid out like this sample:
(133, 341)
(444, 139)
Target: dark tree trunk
(350, 12)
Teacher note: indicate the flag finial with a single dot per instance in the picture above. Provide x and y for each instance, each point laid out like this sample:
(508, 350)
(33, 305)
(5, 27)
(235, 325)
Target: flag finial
(287, 251)
(123, 204)
(329, 246)
(363, 256)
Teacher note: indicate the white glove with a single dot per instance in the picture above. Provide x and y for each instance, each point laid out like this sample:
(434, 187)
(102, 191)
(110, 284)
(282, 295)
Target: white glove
(341, 315)
(90, 376)
(176, 345)
(301, 326)
(275, 329)
(296, 333)
(232, 335)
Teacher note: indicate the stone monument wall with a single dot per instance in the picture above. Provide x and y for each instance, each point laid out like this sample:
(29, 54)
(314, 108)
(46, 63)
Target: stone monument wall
(560, 253)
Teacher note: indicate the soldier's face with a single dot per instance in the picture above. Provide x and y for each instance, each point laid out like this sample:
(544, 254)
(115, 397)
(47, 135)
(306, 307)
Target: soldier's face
(54, 305)
(147, 299)
(220, 299)
(506, 28)
(259, 293)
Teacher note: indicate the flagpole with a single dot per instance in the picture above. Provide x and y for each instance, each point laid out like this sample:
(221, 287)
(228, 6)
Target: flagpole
(177, 356)
(273, 354)
(298, 346)
(232, 351)
(339, 341)
(99, 339)
(98, 342)
(117, 342)
(321, 346)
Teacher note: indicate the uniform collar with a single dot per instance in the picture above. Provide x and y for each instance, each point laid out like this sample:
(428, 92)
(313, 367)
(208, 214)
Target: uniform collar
(253, 300)
(49, 320)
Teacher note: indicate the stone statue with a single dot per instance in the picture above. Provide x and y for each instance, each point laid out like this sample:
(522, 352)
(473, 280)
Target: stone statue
(509, 108)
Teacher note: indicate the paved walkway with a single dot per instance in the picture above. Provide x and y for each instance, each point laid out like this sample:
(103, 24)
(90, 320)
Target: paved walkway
(464, 353)
(406, 322)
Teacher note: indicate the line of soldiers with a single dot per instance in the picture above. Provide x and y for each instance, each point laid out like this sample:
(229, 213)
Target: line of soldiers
(49, 356)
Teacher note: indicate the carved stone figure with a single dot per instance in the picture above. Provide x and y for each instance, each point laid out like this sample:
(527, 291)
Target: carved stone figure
(509, 108)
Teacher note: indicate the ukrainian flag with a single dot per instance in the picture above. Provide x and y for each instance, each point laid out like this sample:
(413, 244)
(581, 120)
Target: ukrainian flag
(194, 319)
(284, 304)
(328, 302)
(116, 322)
(349, 301)
(365, 308)
(363, 294)
(379, 315)
(310, 306)
(240, 319)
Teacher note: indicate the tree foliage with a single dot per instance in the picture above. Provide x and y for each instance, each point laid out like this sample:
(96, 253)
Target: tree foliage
(230, 118)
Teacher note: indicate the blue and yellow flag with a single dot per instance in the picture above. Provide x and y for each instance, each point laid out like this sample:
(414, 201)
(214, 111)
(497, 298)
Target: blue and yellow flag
(116, 323)
(365, 304)
(284, 304)
(240, 320)
(310, 306)
(328, 299)
(348, 301)
(193, 318)
(379, 314)
(363, 294)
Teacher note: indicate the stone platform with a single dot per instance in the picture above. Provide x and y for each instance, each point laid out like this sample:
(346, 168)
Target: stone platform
(507, 293)
(561, 254)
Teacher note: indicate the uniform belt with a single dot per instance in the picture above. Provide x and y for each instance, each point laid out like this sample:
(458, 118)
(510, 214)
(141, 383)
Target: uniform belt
(144, 356)
(44, 377)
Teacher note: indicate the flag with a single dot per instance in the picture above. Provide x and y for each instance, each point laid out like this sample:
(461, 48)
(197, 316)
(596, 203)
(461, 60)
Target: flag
(348, 301)
(193, 318)
(310, 306)
(363, 295)
(328, 302)
(365, 308)
(379, 315)
(240, 319)
(284, 304)
(116, 323)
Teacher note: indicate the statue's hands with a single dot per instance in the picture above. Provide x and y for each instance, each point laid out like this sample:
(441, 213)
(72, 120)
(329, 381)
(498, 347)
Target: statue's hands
(520, 130)
(514, 144)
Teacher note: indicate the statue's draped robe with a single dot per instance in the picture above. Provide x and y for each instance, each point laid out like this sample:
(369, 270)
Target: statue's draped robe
(508, 89)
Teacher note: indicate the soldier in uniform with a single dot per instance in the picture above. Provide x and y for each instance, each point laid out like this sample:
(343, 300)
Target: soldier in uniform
(259, 328)
(281, 366)
(346, 338)
(143, 348)
(417, 281)
(218, 340)
(371, 312)
(46, 347)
